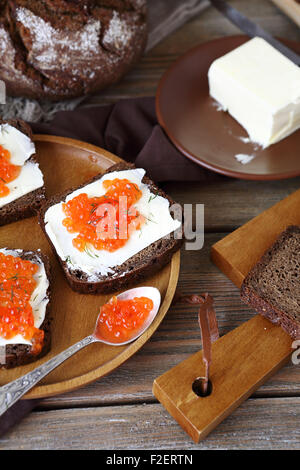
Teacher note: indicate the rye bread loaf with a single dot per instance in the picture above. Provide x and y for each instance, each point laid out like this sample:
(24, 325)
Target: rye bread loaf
(20, 354)
(59, 49)
(272, 286)
(145, 263)
(27, 205)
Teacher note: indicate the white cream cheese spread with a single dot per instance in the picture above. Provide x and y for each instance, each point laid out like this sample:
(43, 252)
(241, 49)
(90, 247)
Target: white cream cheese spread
(153, 207)
(21, 148)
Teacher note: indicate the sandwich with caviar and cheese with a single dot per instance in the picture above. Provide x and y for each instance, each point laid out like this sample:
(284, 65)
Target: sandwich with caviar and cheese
(21, 181)
(24, 306)
(112, 231)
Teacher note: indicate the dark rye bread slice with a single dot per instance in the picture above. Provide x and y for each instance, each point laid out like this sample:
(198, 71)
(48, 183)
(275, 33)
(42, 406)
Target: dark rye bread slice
(20, 354)
(145, 263)
(27, 205)
(272, 286)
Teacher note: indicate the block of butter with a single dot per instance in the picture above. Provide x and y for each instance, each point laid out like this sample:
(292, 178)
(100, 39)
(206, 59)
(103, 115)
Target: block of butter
(260, 88)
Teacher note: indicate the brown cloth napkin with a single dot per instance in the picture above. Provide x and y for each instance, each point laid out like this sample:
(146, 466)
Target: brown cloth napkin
(130, 130)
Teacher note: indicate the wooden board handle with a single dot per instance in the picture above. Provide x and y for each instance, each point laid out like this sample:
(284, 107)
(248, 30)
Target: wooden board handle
(242, 360)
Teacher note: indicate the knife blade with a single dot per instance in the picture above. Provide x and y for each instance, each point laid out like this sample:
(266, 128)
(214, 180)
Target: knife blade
(252, 29)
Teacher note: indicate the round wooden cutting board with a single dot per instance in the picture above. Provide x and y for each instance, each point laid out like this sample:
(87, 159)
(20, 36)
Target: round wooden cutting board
(66, 163)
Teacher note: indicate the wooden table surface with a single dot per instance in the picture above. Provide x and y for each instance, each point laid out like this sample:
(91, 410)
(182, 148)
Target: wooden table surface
(119, 411)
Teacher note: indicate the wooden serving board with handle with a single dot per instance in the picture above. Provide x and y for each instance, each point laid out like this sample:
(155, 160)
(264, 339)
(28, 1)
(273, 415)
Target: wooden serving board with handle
(246, 357)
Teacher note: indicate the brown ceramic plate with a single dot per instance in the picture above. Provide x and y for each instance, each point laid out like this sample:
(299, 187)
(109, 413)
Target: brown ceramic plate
(67, 163)
(210, 137)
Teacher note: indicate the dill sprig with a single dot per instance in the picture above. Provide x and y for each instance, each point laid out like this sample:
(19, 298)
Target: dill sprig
(89, 253)
(152, 197)
(68, 260)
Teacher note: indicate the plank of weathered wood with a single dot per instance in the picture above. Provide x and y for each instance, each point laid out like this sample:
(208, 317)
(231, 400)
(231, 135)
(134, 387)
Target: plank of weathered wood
(228, 202)
(177, 338)
(271, 423)
(136, 386)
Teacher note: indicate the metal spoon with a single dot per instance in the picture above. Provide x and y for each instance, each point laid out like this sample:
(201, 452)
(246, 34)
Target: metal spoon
(13, 391)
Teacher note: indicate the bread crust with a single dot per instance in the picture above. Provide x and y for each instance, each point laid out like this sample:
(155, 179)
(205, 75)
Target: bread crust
(20, 354)
(253, 297)
(154, 257)
(61, 49)
(27, 205)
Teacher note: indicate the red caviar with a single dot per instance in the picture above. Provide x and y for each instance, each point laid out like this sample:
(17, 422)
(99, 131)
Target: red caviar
(119, 320)
(16, 287)
(105, 222)
(8, 171)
